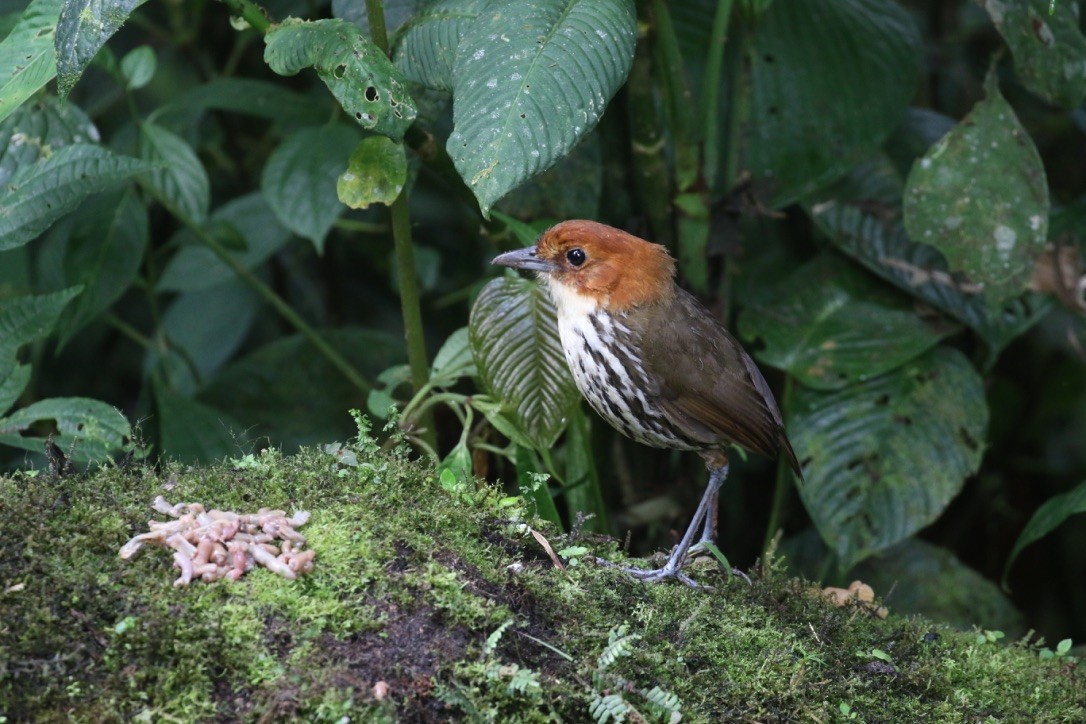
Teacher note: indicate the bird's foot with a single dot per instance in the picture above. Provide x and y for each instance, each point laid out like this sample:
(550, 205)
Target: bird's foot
(656, 575)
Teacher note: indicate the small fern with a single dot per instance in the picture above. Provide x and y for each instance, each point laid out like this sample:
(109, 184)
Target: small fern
(607, 705)
(663, 704)
(609, 708)
(493, 639)
(618, 645)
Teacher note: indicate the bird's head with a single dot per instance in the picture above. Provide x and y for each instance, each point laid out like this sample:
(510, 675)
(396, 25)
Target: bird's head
(588, 265)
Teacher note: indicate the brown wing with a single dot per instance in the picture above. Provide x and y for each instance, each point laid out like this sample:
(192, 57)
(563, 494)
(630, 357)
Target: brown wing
(709, 386)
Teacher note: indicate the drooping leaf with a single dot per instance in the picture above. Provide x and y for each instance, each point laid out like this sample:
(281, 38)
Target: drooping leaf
(363, 80)
(299, 179)
(883, 458)
(376, 173)
(83, 28)
(180, 181)
(191, 431)
(980, 197)
(39, 194)
(831, 325)
(426, 50)
(46, 124)
(27, 58)
(514, 337)
(1046, 519)
(529, 84)
(87, 430)
(829, 81)
(24, 320)
(1048, 47)
(196, 267)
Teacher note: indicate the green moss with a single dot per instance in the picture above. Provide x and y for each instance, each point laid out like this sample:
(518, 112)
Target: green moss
(413, 587)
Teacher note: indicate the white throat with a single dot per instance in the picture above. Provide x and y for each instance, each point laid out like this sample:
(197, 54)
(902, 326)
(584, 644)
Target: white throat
(570, 304)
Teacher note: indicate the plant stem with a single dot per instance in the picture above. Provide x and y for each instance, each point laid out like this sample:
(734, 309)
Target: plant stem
(252, 13)
(783, 484)
(711, 90)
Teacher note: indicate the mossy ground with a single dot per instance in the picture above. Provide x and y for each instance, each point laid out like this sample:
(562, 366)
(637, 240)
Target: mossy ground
(446, 597)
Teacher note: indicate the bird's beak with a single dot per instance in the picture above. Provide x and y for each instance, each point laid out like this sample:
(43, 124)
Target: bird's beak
(524, 259)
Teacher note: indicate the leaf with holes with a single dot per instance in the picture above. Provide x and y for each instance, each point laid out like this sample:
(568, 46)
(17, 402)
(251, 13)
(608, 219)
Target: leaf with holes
(529, 83)
(427, 49)
(980, 197)
(28, 59)
(83, 28)
(883, 458)
(514, 337)
(831, 325)
(360, 76)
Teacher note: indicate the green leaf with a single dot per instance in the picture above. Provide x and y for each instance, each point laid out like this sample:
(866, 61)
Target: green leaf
(43, 126)
(980, 197)
(454, 359)
(427, 49)
(13, 380)
(397, 12)
(1048, 47)
(360, 76)
(83, 28)
(380, 399)
(26, 319)
(139, 67)
(514, 337)
(571, 189)
(192, 432)
(196, 267)
(376, 173)
(180, 181)
(884, 458)
(582, 489)
(27, 58)
(1046, 519)
(829, 81)
(532, 485)
(831, 325)
(38, 195)
(248, 97)
(299, 180)
(87, 430)
(529, 84)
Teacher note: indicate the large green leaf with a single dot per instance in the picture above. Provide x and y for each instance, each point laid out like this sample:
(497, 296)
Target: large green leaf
(24, 320)
(196, 267)
(83, 28)
(39, 194)
(1046, 519)
(43, 126)
(530, 82)
(883, 458)
(980, 197)
(514, 337)
(829, 81)
(192, 432)
(1047, 43)
(180, 181)
(87, 430)
(426, 50)
(27, 58)
(831, 325)
(360, 76)
(299, 179)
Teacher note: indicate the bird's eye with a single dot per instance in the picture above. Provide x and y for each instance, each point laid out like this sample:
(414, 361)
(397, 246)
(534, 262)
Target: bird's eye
(576, 257)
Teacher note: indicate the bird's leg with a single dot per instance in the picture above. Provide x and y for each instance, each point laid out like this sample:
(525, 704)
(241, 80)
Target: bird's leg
(708, 531)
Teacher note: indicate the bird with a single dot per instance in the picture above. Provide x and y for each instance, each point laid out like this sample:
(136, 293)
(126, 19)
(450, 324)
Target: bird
(652, 361)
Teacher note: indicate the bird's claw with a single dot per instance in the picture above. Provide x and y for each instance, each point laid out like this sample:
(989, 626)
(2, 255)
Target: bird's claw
(656, 575)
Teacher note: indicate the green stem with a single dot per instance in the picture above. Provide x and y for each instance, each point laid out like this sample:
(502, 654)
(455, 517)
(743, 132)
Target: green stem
(783, 484)
(256, 16)
(361, 227)
(711, 90)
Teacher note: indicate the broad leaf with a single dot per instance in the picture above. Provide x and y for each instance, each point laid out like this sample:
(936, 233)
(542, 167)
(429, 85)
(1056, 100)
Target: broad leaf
(83, 28)
(454, 359)
(376, 173)
(1048, 47)
(24, 320)
(514, 337)
(196, 267)
(299, 179)
(248, 97)
(1046, 519)
(427, 49)
(27, 58)
(980, 197)
(570, 189)
(529, 84)
(829, 81)
(191, 431)
(360, 76)
(831, 325)
(38, 195)
(883, 458)
(43, 126)
(87, 430)
(180, 181)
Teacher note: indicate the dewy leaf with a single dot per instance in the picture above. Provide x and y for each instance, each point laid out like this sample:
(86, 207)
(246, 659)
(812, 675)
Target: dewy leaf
(980, 197)
(83, 28)
(1048, 517)
(43, 126)
(180, 181)
(529, 82)
(376, 173)
(299, 179)
(88, 430)
(1048, 47)
(27, 58)
(38, 195)
(514, 337)
(831, 325)
(360, 76)
(427, 49)
(829, 81)
(884, 458)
